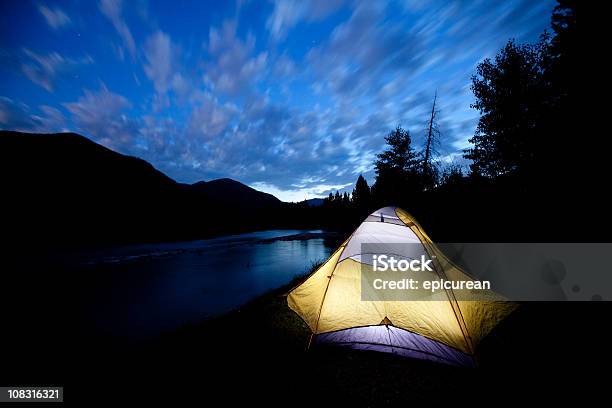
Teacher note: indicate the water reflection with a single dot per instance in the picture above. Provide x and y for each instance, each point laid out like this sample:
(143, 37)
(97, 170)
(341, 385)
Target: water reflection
(141, 290)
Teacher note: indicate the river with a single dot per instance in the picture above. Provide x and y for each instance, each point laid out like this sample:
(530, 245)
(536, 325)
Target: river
(138, 291)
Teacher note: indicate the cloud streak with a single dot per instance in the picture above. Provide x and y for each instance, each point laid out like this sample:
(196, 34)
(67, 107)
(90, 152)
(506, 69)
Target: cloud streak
(43, 69)
(56, 18)
(101, 115)
(112, 9)
(287, 13)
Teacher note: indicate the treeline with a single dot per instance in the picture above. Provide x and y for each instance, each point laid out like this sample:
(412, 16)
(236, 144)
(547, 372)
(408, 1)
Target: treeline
(524, 180)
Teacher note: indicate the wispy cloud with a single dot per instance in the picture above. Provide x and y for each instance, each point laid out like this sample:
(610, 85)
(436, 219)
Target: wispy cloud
(112, 10)
(161, 55)
(18, 116)
(287, 13)
(43, 69)
(101, 115)
(56, 18)
(233, 68)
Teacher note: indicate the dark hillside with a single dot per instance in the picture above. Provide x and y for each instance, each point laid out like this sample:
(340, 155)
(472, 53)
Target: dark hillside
(65, 189)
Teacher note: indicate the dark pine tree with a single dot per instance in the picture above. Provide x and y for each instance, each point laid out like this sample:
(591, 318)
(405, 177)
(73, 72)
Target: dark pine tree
(362, 196)
(396, 169)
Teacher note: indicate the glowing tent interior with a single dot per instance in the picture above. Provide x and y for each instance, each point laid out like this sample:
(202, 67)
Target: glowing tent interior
(432, 326)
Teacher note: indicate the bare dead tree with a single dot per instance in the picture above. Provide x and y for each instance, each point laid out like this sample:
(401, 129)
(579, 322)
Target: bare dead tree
(433, 133)
(429, 169)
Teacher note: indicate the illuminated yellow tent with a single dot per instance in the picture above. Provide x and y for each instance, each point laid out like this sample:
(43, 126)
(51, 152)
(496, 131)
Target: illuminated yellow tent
(438, 326)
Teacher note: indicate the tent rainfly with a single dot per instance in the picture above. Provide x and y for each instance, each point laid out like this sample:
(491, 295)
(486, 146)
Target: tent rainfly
(437, 327)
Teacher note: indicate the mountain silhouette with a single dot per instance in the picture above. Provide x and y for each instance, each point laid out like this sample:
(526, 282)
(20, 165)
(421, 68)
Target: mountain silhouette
(315, 202)
(68, 189)
(231, 192)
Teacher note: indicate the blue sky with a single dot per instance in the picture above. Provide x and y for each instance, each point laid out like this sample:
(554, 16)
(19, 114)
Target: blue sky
(290, 97)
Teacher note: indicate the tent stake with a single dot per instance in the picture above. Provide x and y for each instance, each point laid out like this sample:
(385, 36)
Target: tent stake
(309, 341)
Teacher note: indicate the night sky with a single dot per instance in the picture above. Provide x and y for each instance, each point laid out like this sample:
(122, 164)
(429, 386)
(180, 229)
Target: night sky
(290, 97)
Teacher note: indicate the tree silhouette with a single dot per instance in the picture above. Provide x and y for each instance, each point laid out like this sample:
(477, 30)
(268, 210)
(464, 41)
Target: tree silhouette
(400, 155)
(452, 175)
(527, 99)
(561, 64)
(510, 96)
(396, 168)
(362, 196)
(429, 169)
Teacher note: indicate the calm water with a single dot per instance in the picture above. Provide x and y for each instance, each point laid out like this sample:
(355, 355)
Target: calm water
(141, 290)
